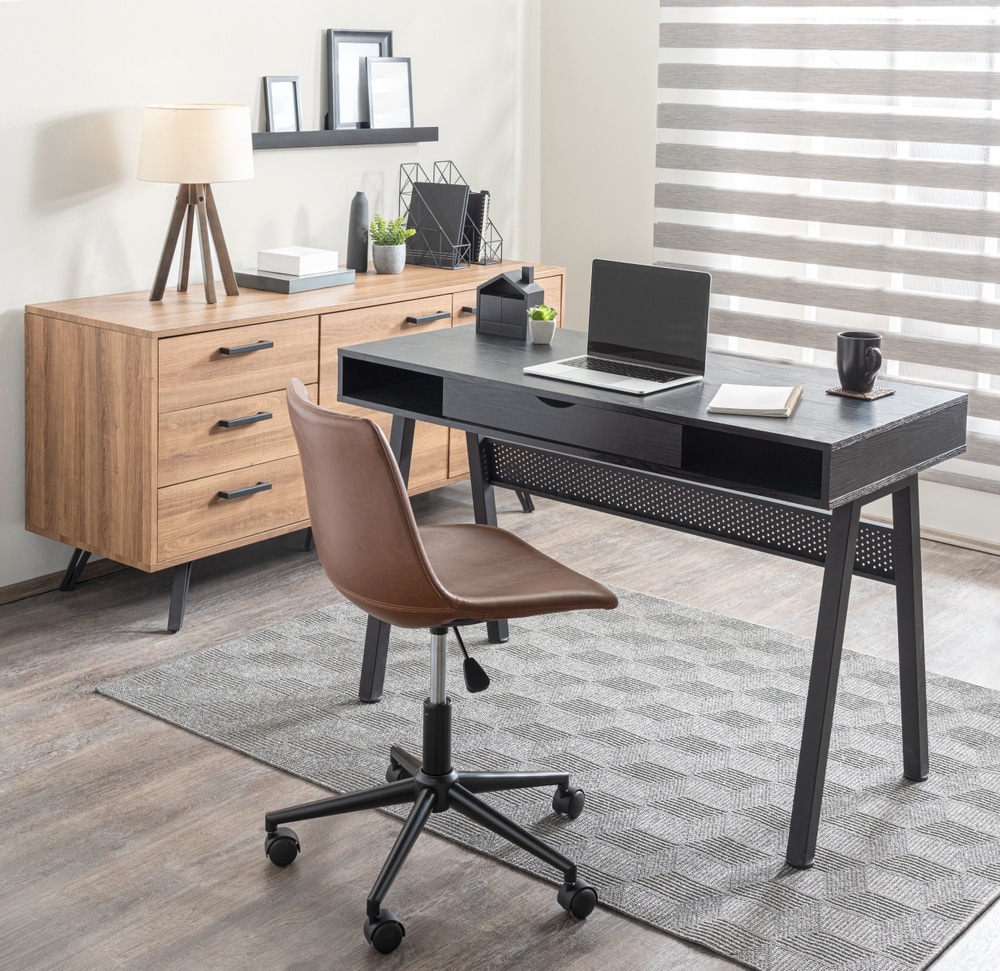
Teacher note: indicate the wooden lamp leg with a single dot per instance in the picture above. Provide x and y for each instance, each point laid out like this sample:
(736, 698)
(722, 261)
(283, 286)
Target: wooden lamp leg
(195, 202)
(225, 264)
(170, 243)
(185, 265)
(206, 250)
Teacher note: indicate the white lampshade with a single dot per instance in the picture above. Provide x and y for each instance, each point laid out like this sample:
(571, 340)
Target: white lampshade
(196, 143)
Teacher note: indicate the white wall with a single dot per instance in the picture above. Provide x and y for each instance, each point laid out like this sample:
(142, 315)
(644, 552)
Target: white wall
(598, 122)
(76, 221)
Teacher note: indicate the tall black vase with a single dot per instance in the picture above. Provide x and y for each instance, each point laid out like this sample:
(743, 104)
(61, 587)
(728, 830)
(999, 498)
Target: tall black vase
(357, 234)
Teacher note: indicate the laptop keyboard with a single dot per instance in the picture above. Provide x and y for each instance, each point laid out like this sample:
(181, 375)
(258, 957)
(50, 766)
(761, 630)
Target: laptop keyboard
(640, 371)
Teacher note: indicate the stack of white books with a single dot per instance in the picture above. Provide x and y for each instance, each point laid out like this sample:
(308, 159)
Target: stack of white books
(292, 269)
(297, 260)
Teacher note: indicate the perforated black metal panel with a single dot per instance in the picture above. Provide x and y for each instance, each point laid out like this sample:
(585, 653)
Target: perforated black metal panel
(780, 528)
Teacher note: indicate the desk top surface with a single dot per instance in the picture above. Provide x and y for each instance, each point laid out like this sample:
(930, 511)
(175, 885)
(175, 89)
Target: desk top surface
(459, 353)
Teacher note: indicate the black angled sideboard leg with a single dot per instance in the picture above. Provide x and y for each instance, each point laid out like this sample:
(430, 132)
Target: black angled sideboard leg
(377, 635)
(307, 544)
(178, 596)
(76, 564)
(827, 649)
(525, 499)
(910, 629)
(485, 508)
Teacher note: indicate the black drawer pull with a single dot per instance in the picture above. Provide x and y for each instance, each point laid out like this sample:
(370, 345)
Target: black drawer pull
(426, 320)
(245, 420)
(246, 348)
(246, 491)
(553, 403)
(468, 310)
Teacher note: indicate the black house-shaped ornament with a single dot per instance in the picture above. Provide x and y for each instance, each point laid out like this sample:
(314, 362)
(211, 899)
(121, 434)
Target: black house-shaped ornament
(502, 303)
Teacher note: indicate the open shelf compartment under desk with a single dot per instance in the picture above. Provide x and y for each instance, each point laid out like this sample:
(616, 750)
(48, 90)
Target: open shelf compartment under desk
(394, 389)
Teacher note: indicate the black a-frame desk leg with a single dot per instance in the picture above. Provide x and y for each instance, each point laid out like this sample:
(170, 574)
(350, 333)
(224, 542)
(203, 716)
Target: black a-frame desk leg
(377, 635)
(485, 508)
(910, 629)
(827, 650)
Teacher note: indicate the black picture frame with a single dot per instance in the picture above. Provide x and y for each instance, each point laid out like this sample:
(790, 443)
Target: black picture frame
(346, 74)
(282, 104)
(390, 92)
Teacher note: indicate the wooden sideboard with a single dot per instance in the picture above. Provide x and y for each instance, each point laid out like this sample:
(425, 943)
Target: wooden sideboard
(156, 433)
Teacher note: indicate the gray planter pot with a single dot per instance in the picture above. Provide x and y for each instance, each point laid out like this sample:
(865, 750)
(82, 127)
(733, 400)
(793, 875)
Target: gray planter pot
(389, 259)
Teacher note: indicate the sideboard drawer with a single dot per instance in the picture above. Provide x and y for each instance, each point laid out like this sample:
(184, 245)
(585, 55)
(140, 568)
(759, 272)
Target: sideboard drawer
(219, 365)
(192, 516)
(225, 435)
(429, 458)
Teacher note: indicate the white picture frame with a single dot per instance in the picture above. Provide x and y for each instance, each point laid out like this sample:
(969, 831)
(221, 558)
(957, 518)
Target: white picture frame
(390, 92)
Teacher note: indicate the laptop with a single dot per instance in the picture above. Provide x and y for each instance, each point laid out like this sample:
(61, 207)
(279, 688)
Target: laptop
(648, 330)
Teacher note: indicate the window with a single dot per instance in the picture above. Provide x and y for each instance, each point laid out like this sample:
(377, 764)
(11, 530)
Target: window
(835, 167)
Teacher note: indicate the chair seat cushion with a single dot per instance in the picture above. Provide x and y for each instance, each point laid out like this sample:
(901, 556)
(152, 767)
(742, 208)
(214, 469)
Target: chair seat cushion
(490, 574)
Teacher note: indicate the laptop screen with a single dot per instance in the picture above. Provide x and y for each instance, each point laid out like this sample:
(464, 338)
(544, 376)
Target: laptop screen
(649, 314)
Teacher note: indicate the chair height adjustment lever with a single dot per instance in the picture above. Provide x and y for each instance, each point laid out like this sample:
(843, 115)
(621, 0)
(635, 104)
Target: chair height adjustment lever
(476, 679)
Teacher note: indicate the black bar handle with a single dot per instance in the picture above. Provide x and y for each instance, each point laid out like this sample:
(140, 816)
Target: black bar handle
(245, 420)
(246, 491)
(246, 348)
(426, 320)
(468, 310)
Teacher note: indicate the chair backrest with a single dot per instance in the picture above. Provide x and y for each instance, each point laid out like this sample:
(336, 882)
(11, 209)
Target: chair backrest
(366, 537)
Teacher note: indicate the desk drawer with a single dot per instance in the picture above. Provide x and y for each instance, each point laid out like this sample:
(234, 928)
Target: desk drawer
(220, 365)
(192, 517)
(227, 435)
(520, 411)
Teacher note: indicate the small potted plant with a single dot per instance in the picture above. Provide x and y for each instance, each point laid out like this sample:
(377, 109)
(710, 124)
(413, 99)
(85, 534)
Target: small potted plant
(541, 323)
(389, 238)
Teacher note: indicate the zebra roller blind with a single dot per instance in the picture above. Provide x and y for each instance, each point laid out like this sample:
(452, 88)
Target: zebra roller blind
(835, 168)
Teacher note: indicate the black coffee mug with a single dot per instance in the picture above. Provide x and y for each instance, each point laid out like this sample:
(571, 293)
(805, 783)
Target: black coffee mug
(859, 357)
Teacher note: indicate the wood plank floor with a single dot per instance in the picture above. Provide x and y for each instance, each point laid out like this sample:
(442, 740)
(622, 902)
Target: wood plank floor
(133, 844)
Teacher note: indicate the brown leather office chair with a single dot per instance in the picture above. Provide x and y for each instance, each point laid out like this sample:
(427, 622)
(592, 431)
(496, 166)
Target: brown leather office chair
(377, 556)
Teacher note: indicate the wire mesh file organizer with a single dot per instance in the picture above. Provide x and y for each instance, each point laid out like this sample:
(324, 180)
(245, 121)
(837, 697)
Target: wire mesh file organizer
(452, 223)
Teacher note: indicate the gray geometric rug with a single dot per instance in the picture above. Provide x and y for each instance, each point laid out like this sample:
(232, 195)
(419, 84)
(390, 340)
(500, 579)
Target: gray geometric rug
(683, 727)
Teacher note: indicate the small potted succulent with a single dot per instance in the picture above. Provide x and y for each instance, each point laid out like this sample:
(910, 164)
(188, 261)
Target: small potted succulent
(541, 323)
(389, 238)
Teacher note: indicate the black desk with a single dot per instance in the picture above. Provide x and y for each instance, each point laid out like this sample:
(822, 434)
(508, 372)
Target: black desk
(794, 487)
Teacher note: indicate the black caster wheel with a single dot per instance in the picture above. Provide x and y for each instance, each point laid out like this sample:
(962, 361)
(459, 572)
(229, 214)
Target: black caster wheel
(569, 802)
(281, 846)
(385, 933)
(578, 899)
(395, 772)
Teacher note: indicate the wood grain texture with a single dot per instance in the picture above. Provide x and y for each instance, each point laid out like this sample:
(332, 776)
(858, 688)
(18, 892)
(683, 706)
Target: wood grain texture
(194, 371)
(182, 313)
(121, 395)
(138, 845)
(194, 517)
(429, 463)
(89, 415)
(192, 443)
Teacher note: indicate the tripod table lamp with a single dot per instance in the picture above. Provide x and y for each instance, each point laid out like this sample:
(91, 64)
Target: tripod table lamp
(194, 146)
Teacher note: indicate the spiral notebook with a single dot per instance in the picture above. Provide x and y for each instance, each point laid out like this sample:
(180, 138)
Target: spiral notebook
(753, 399)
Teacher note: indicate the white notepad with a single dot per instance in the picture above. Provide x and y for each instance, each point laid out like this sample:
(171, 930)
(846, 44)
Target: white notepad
(752, 399)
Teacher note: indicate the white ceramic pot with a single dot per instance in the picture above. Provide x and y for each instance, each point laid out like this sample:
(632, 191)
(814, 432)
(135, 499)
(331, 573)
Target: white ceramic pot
(389, 259)
(541, 331)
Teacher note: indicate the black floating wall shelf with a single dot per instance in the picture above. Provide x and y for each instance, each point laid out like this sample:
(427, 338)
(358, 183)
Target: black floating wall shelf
(342, 136)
